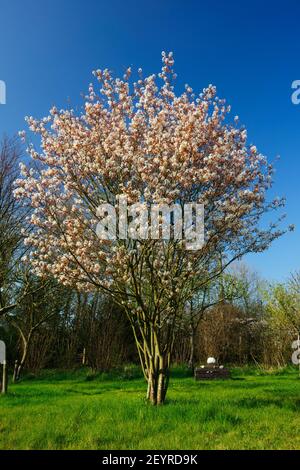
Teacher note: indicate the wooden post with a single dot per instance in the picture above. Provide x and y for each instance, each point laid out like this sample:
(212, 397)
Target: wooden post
(4, 378)
(298, 357)
(3, 362)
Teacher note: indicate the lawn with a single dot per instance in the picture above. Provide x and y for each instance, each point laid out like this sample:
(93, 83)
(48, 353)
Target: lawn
(76, 410)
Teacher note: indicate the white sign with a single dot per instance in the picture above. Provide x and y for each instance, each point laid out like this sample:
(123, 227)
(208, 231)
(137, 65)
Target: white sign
(211, 360)
(2, 352)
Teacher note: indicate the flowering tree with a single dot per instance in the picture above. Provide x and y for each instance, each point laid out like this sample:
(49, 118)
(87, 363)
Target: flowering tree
(142, 141)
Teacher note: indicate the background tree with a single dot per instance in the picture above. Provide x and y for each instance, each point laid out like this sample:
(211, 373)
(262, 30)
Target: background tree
(106, 336)
(283, 310)
(41, 303)
(227, 322)
(12, 221)
(146, 143)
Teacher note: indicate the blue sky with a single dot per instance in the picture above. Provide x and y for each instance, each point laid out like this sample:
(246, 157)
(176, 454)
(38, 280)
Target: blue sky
(250, 50)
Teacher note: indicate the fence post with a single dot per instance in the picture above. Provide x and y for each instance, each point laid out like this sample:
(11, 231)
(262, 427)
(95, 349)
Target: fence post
(4, 378)
(3, 362)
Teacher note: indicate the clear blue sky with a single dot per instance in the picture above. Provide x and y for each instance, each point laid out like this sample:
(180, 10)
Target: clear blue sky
(250, 50)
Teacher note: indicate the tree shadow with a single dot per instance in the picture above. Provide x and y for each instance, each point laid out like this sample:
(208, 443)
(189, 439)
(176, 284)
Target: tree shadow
(254, 403)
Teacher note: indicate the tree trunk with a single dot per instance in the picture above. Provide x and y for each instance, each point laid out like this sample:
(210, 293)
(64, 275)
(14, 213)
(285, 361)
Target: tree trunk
(158, 381)
(20, 364)
(14, 379)
(84, 357)
(154, 349)
(193, 328)
(156, 371)
(191, 363)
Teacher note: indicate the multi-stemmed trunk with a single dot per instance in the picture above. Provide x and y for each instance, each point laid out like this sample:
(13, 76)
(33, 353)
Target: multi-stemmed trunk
(155, 349)
(158, 378)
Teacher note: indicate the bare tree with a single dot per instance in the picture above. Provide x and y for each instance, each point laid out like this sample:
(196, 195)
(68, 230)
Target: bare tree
(12, 223)
(42, 302)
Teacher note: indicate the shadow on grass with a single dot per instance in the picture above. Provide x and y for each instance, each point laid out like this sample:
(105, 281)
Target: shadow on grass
(181, 372)
(105, 390)
(258, 403)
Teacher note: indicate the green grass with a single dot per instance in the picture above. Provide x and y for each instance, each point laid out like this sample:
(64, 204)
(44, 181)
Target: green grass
(75, 410)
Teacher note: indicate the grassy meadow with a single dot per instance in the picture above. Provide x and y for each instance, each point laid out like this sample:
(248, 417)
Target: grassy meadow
(77, 410)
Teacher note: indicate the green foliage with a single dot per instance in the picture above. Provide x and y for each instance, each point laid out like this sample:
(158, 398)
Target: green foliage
(283, 304)
(256, 409)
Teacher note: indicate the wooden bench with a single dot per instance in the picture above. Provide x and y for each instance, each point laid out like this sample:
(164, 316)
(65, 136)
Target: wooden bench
(211, 372)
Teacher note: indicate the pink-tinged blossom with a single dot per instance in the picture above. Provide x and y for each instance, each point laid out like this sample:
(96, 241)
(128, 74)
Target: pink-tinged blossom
(139, 139)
